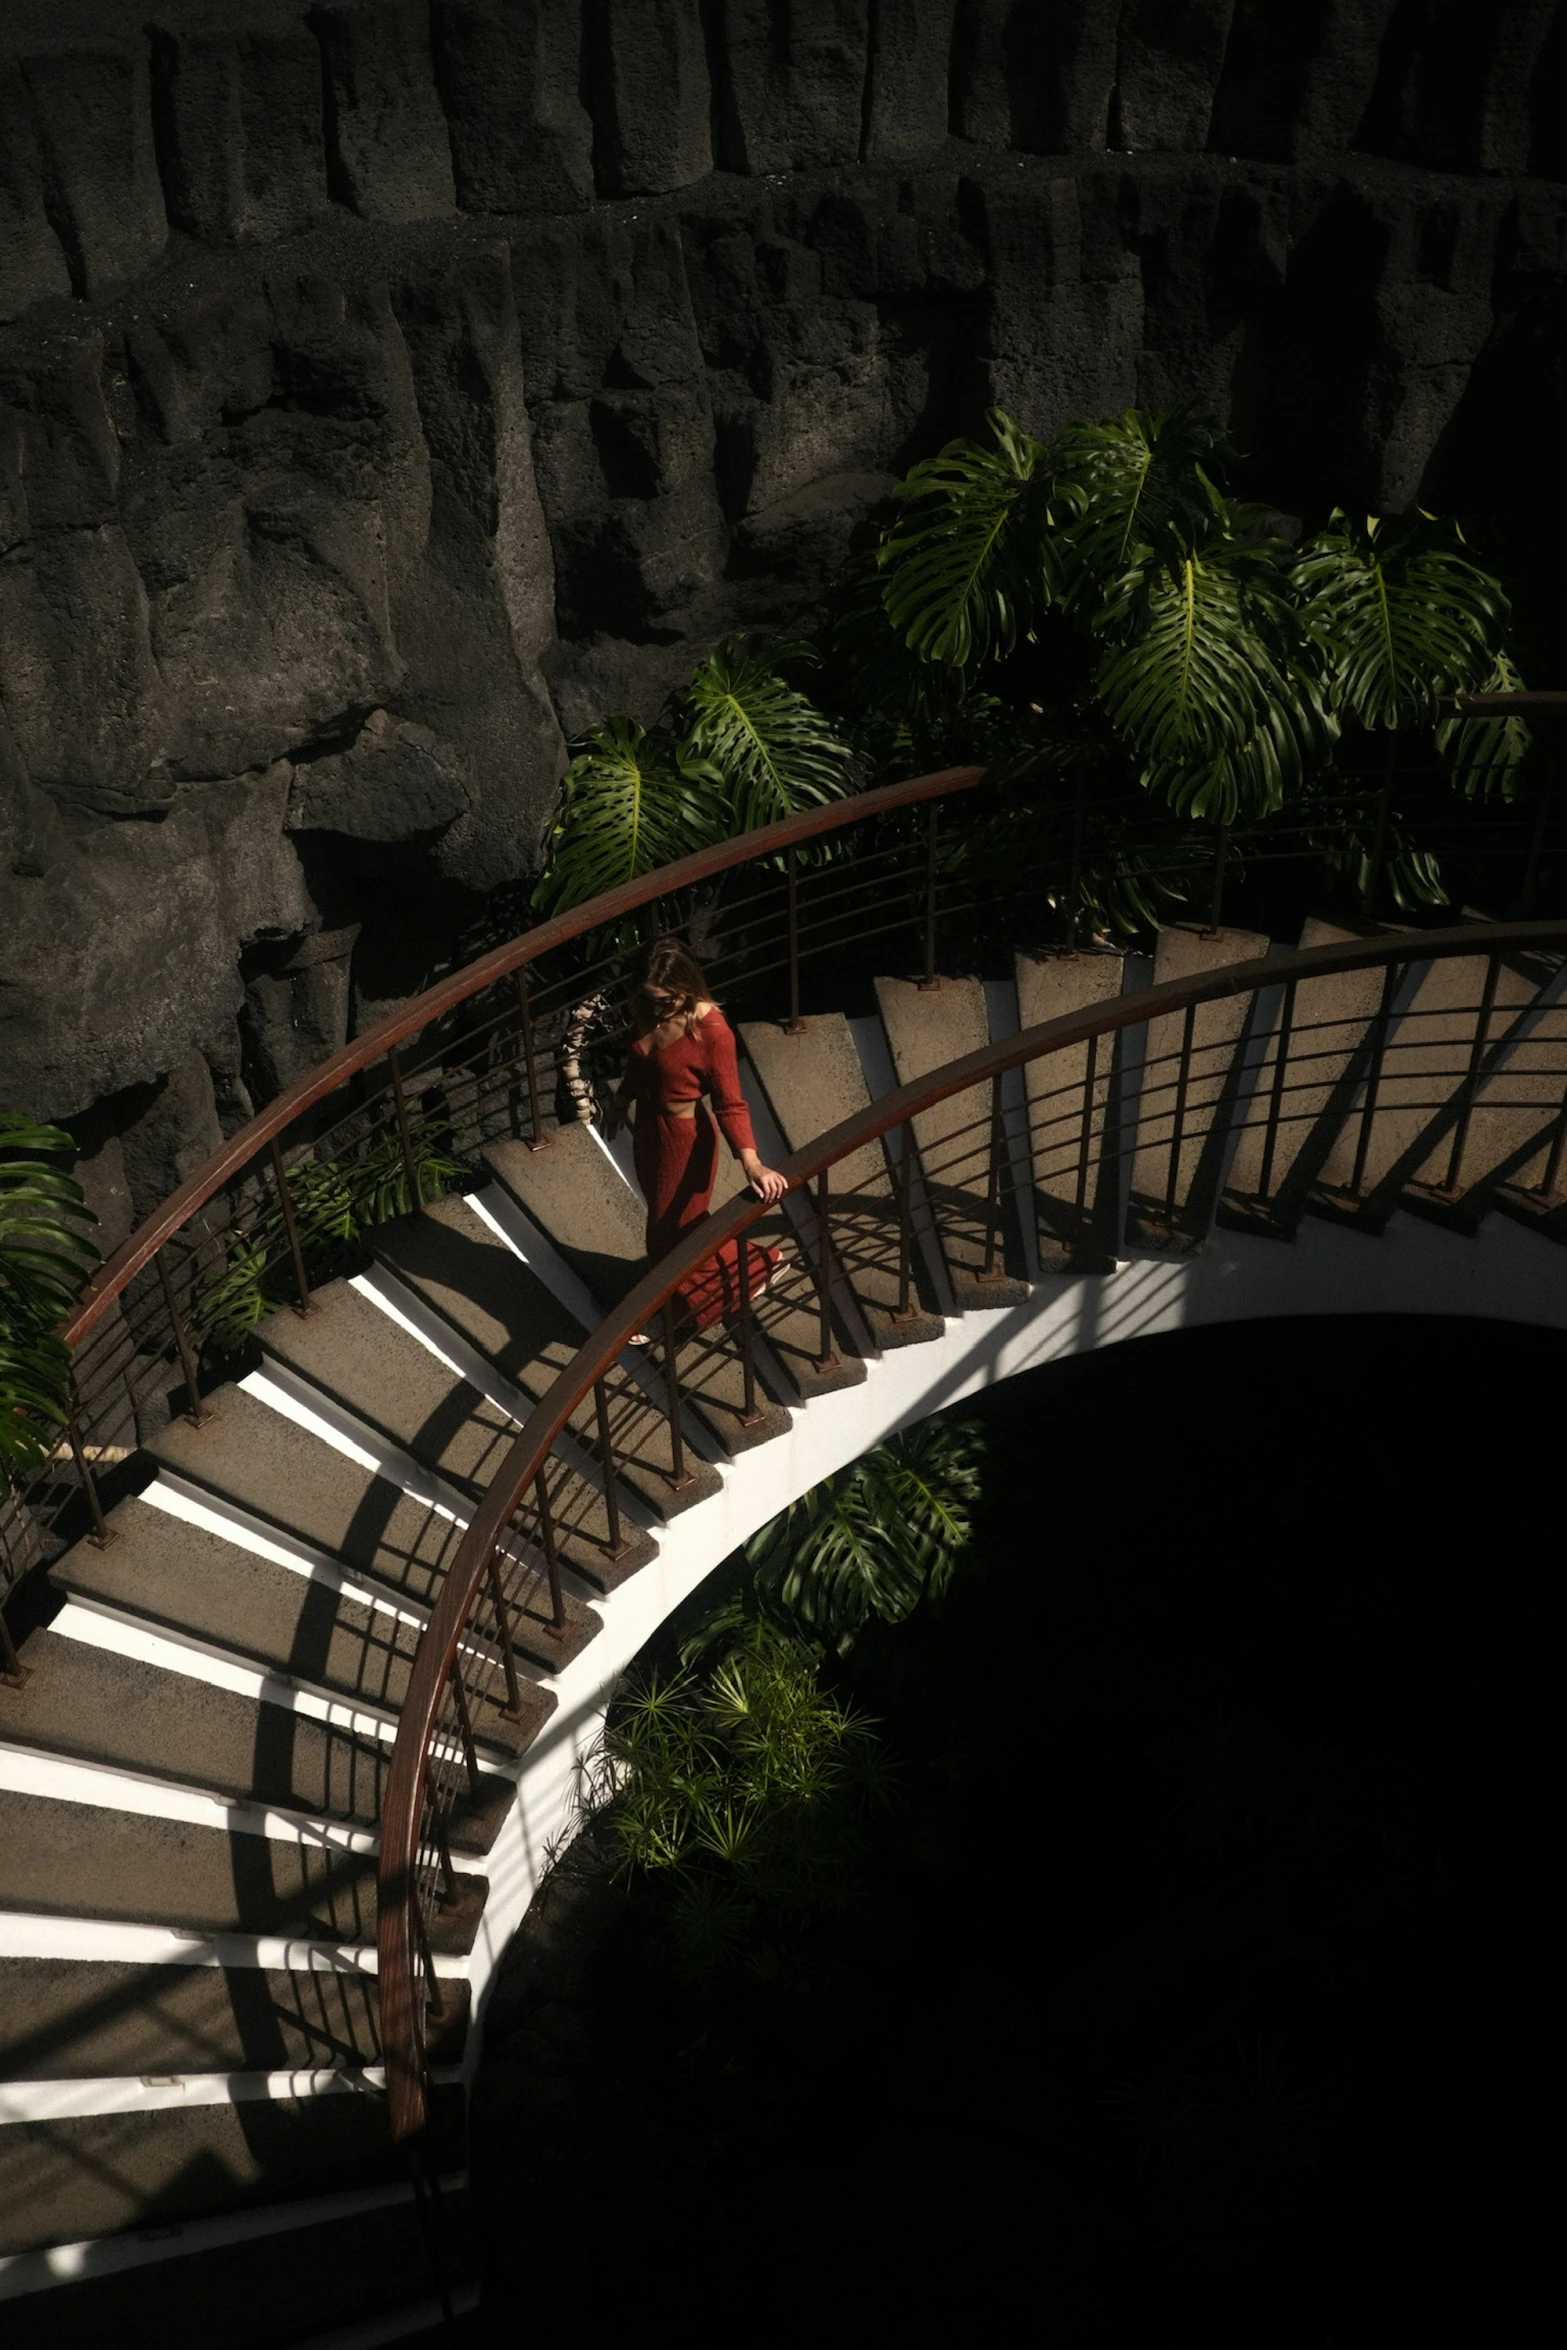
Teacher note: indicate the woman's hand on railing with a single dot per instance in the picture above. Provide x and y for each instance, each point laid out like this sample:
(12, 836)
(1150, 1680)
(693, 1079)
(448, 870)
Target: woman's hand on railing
(766, 1182)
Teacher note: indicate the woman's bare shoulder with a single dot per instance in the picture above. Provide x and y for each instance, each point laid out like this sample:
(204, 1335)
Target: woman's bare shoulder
(705, 1011)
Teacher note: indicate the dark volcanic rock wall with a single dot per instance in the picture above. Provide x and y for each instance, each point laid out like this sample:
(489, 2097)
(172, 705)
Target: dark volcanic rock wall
(389, 388)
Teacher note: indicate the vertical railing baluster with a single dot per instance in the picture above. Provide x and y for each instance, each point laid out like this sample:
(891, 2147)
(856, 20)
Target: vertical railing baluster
(513, 1705)
(618, 1545)
(1553, 1163)
(547, 1543)
(1074, 897)
(992, 1271)
(750, 1417)
(827, 1353)
(794, 1023)
(1368, 1108)
(405, 1140)
(470, 1752)
(1276, 1099)
(103, 1533)
(1542, 811)
(679, 1475)
(193, 1413)
(450, 1894)
(536, 1137)
(1178, 1123)
(1471, 1085)
(291, 1227)
(1086, 1138)
(905, 1223)
(1220, 858)
(12, 1670)
(432, 1981)
(930, 980)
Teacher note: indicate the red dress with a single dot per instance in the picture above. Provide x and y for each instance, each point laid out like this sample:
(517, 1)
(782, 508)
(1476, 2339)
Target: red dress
(677, 1156)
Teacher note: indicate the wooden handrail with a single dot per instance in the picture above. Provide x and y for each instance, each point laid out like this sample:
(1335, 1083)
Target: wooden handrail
(436, 1654)
(608, 907)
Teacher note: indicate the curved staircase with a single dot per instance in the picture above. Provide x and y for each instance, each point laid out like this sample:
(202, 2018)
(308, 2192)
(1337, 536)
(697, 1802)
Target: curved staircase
(192, 2126)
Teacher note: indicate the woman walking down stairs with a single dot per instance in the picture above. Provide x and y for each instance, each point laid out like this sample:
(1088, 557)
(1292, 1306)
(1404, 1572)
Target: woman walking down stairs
(200, 1864)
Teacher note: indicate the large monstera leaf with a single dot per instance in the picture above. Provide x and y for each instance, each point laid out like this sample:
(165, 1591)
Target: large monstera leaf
(967, 567)
(627, 808)
(1484, 754)
(878, 1537)
(1143, 490)
(758, 743)
(1402, 618)
(1204, 685)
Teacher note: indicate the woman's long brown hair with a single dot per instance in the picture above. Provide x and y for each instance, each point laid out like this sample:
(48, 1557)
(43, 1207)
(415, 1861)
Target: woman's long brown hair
(673, 970)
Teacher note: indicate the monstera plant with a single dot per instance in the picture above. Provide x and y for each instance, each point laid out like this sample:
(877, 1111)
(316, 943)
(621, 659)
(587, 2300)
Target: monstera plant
(45, 1257)
(742, 747)
(1225, 661)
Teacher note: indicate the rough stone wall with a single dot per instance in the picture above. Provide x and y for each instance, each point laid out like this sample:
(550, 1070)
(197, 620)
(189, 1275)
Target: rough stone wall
(389, 388)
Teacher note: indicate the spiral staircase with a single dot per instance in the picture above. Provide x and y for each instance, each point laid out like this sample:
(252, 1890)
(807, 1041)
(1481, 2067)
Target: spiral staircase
(195, 1756)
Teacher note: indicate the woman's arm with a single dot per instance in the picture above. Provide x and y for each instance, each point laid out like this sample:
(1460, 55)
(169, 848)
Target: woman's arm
(729, 1107)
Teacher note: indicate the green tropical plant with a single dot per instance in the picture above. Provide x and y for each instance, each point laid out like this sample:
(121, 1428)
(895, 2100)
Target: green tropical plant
(879, 1538)
(334, 1201)
(45, 1258)
(743, 747)
(1226, 665)
(742, 1790)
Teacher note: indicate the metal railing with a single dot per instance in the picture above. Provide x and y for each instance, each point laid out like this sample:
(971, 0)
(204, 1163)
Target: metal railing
(1260, 1088)
(506, 1045)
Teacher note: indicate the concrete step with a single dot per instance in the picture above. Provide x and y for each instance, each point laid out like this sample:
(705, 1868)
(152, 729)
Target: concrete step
(167, 1571)
(813, 1081)
(576, 1197)
(318, 2268)
(92, 2019)
(387, 1378)
(450, 1259)
(1288, 1134)
(1077, 1191)
(787, 1316)
(80, 2175)
(926, 1028)
(276, 1470)
(100, 1707)
(1405, 1147)
(600, 1230)
(62, 1859)
(1176, 1178)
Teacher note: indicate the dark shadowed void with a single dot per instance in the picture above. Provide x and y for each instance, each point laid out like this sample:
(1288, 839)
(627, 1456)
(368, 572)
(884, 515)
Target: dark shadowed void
(1197, 1992)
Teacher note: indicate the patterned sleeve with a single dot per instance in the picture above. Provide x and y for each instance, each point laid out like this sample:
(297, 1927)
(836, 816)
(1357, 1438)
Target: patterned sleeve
(723, 1071)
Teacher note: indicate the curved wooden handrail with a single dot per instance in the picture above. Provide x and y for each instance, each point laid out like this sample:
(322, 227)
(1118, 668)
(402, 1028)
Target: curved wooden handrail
(437, 1651)
(596, 913)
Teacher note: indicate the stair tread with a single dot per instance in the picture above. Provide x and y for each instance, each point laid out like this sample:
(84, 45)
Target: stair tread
(96, 1706)
(601, 1236)
(97, 2019)
(1172, 1208)
(64, 1859)
(389, 1379)
(92, 2175)
(269, 1465)
(1328, 1029)
(813, 1081)
(181, 1575)
(449, 1258)
(926, 1028)
(1051, 987)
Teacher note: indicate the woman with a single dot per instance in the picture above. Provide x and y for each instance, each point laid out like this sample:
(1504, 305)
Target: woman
(683, 1048)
